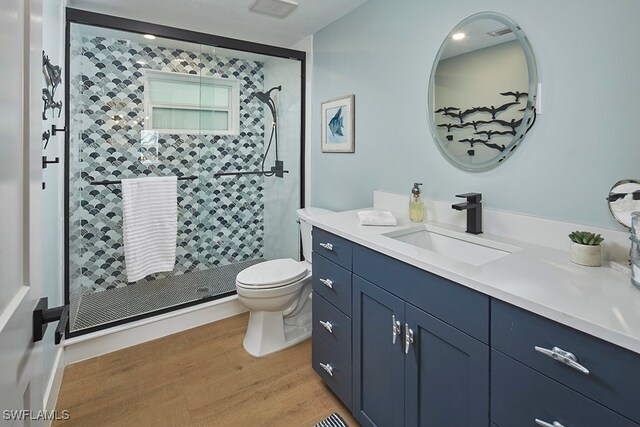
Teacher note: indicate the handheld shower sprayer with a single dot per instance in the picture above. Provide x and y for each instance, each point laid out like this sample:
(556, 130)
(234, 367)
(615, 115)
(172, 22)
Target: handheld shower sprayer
(265, 97)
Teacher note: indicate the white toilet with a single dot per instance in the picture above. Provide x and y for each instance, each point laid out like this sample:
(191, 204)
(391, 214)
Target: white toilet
(278, 296)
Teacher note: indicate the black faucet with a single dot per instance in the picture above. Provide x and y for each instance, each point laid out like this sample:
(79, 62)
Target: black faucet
(473, 206)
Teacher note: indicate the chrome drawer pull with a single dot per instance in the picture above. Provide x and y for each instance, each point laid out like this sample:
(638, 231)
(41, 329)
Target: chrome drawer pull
(327, 282)
(396, 328)
(546, 424)
(327, 246)
(569, 359)
(408, 338)
(327, 325)
(327, 368)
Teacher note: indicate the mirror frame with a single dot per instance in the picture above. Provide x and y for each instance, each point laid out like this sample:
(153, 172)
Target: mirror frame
(529, 115)
(617, 184)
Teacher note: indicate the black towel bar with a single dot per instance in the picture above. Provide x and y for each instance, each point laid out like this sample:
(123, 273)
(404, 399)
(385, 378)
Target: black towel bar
(180, 178)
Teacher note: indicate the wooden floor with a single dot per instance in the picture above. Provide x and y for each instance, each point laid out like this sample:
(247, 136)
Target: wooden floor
(200, 377)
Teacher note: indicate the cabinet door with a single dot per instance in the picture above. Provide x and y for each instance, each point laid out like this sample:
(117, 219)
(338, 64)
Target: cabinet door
(378, 365)
(446, 374)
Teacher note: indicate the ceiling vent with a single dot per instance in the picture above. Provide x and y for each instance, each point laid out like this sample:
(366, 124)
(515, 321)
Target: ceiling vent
(501, 32)
(277, 8)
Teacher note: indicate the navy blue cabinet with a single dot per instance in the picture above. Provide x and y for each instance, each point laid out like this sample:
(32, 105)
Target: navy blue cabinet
(332, 326)
(411, 368)
(402, 346)
(446, 374)
(581, 375)
(378, 361)
(457, 305)
(521, 396)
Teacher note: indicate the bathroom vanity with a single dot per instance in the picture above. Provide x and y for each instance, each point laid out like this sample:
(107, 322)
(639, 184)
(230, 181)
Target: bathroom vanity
(404, 336)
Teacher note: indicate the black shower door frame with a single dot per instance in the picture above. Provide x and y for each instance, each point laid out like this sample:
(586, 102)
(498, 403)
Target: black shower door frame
(77, 16)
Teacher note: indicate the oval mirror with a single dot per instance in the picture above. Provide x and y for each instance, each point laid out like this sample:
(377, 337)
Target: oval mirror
(482, 91)
(624, 198)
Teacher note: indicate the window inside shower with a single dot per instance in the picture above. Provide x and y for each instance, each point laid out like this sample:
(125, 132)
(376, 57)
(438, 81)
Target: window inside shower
(143, 106)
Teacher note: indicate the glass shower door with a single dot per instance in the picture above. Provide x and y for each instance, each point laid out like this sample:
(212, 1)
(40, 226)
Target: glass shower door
(147, 106)
(134, 102)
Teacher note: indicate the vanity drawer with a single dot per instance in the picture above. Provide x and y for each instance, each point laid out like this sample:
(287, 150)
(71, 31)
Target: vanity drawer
(332, 247)
(461, 307)
(332, 282)
(332, 325)
(334, 370)
(614, 373)
(520, 396)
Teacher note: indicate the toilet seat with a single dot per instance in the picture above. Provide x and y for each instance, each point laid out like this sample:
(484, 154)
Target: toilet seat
(271, 274)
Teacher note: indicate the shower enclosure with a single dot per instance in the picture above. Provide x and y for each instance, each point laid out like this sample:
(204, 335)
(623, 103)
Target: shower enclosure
(148, 100)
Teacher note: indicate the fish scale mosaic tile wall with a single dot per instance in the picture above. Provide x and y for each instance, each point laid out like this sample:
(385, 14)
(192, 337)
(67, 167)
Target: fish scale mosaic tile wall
(220, 220)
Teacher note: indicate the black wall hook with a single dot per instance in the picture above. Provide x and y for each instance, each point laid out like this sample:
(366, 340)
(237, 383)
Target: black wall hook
(46, 161)
(55, 130)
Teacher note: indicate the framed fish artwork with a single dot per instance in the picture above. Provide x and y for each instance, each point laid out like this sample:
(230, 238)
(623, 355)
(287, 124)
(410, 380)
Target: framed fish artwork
(338, 125)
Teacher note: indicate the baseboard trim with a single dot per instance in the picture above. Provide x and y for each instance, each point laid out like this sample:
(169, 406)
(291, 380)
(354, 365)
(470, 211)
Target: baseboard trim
(130, 334)
(52, 389)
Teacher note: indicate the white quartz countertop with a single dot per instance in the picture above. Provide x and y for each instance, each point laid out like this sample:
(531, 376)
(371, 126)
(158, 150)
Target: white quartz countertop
(599, 301)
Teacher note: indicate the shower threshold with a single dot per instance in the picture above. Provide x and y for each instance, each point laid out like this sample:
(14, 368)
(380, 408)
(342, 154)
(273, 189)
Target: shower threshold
(99, 310)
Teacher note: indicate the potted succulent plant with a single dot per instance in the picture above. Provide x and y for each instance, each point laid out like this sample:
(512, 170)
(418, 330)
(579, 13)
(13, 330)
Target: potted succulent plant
(586, 249)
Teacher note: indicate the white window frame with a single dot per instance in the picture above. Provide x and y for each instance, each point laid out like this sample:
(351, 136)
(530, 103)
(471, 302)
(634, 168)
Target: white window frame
(233, 109)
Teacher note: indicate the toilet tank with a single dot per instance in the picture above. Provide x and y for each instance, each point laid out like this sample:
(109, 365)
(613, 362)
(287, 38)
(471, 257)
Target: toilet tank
(305, 227)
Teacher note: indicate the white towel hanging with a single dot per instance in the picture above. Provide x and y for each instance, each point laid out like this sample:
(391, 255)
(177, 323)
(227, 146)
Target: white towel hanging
(150, 225)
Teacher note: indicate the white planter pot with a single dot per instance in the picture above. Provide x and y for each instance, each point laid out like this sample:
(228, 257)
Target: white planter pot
(591, 256)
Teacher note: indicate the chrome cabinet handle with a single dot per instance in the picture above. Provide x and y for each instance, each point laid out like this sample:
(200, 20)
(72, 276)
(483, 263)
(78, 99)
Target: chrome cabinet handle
(327, 246)
(569, 359)
(327, 368)
(546, 424)
(327, 325)
(396, 328)
(327, 282)
(408, 338)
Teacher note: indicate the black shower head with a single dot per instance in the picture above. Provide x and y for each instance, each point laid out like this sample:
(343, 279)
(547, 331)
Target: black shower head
(262, 97)
(266, 96)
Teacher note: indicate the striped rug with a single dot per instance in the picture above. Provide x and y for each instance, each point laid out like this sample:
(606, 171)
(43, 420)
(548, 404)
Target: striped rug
(333, 420)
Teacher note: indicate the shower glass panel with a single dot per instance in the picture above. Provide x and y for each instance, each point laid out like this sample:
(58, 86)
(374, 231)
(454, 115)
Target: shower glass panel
(142, 106)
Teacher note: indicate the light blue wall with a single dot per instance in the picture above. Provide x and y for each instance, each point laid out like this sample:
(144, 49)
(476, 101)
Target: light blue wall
(588, 55)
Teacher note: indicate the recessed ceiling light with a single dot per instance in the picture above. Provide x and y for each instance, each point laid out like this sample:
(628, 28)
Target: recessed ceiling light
(458, 36)
(277, 8)
(149, 36)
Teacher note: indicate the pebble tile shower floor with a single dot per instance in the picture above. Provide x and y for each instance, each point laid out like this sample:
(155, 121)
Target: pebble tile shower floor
(150, 295)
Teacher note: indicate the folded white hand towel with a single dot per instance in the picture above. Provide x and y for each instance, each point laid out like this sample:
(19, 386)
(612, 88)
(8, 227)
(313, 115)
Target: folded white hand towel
(150, 225)
(377, 217)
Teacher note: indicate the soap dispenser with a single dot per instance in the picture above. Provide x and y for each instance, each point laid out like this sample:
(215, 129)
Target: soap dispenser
(416, 207)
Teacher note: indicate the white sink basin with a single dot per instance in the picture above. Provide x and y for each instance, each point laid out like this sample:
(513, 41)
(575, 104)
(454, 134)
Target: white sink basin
(467, 248)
